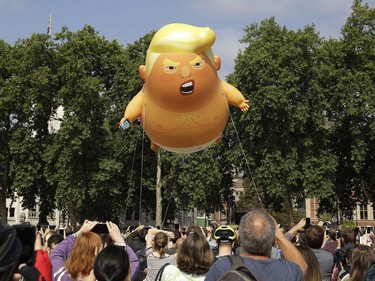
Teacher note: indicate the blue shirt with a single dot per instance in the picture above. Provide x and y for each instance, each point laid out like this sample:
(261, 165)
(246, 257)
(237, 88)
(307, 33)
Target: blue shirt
(272, 269)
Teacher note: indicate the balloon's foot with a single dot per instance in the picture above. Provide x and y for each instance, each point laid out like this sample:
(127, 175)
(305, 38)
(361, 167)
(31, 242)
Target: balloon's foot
(155, 147)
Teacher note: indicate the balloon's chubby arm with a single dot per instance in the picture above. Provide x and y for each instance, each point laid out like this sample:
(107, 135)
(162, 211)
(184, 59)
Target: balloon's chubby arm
(132, 111)
(235, 97)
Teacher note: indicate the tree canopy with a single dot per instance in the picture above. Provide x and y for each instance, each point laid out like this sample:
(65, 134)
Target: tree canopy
(309, 132)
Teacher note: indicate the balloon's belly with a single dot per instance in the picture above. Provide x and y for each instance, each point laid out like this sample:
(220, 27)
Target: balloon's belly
(185, 132)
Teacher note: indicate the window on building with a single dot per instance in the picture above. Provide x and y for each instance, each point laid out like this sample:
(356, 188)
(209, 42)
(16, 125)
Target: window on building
(11, 212)
(33, 213)
(363, 212)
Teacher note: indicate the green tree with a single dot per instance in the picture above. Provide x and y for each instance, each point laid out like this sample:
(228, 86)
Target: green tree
(284, 133)
(350, 86)
(28, 96)
(80, 162)
(8, 108)
(35, 79)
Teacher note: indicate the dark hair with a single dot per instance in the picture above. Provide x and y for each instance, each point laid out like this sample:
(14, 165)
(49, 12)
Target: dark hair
(160, 243)
(142, 234)
(314, 236)
(195, 255)
(177, 235)
(112, 264)
(195, 228)
(348, 235)
(54, 239)
(332, 233)
(69, 230)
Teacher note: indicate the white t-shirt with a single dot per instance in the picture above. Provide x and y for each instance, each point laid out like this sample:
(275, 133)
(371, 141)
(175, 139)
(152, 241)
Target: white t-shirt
(172, 273)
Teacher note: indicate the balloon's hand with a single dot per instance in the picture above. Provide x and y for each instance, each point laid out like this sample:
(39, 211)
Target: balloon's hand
(124, 124)
(244, 106)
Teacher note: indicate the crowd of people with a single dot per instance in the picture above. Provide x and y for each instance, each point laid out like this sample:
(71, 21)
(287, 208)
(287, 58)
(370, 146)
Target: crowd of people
(99, 251)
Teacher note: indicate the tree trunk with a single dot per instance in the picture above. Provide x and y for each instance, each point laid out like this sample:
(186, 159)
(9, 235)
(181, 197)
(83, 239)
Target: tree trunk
(4, 179)
(72, 217)
(159, 207)
(289, 210)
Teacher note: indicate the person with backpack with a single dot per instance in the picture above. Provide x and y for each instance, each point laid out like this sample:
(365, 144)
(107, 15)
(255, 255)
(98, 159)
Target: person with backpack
(257, 234)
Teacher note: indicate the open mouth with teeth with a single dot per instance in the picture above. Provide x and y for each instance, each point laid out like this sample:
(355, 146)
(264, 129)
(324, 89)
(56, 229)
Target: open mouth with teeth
(187, 88)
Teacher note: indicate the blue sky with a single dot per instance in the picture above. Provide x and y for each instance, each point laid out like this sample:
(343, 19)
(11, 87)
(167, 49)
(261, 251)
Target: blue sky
(126, 21)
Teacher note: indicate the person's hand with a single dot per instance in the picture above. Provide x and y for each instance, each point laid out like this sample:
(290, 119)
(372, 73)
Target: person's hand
(209, 235)
(86, 227)
(17, 277)
(140, 227)
(278, 232)
(372, 235)
(153, 231)
(301, 225)
(38, 242)
(114, 232)
(170, 235)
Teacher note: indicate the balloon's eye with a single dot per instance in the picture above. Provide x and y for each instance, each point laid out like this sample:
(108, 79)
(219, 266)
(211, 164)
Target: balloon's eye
(198, 65)
(170, 69)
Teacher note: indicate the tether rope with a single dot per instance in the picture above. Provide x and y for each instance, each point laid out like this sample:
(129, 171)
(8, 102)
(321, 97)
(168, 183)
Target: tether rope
(244, 156)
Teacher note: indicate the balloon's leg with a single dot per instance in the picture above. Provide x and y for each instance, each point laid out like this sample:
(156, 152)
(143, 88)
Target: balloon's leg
(154, 147)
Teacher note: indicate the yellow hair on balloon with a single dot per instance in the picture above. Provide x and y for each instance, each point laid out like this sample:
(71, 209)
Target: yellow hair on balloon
(180, 38)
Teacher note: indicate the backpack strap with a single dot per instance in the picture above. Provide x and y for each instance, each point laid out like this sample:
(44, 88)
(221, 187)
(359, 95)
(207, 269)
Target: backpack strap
(237, 263)
(160, 272)
(343, 274)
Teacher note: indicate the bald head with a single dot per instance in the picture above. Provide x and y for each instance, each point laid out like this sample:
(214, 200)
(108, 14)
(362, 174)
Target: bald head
(257, 233)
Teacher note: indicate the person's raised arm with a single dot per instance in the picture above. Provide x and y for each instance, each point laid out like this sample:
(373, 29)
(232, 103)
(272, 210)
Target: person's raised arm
(86, 227)
(118, 240)
(290, 252)
(42, 269)
(150, 234)
(293, 231)
(60, 254)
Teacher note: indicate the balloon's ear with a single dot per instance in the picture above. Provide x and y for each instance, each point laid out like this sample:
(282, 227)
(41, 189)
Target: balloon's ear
(142, 72)
(217, 62)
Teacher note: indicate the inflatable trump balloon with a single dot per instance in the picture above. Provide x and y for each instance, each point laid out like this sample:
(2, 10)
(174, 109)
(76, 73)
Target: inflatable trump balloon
(183, 105)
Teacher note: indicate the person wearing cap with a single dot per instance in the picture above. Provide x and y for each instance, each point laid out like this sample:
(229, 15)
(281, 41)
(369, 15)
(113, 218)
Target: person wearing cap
(225, 237)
